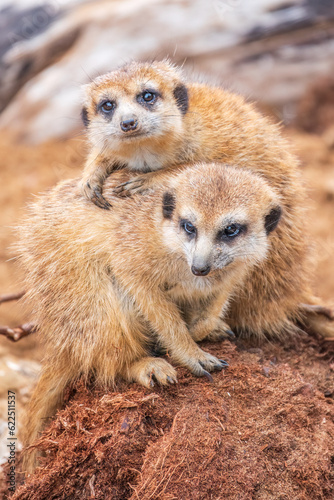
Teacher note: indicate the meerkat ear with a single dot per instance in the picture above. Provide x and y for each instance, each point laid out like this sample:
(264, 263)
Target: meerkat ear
(272, 219)
(168, 205)
(84, 116)
(181, 96)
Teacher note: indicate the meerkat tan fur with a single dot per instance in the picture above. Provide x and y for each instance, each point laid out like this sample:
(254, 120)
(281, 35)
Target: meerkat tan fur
(148, 118)
(105, 285)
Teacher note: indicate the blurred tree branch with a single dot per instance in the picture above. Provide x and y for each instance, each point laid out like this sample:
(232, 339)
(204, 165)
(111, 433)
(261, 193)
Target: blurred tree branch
(21, 331)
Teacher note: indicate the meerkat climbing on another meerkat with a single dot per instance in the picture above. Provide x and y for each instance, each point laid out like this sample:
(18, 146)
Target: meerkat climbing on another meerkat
(148, 119)
(105, 286)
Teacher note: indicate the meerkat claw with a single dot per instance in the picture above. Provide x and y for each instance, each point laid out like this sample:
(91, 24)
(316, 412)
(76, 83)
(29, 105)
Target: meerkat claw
(99, 204)
(207, 375)
(120, 188)
(99, 200)
(220, 335)
(219, 367)
(129, 188)
(93, 193)
(230, 333)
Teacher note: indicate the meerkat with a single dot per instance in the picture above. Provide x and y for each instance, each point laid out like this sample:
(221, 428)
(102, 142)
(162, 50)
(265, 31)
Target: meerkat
(147, 118)
(105, 285)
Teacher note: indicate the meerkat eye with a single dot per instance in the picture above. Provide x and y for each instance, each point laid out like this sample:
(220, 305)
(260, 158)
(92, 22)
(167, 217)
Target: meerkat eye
(147, 97)
(189, 228)
(107, 106)
(232, 231)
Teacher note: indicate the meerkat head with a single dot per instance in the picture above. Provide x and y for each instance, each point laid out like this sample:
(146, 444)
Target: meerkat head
(219, 217)
(135, 104)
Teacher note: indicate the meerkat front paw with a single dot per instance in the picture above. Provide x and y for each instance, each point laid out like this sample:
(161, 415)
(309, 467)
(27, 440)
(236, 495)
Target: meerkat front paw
(221, 331)
(219, 335)
(92, 191)
(214, 329)
(203, 363)
(148, 371)
(133, 186)
(137, 185)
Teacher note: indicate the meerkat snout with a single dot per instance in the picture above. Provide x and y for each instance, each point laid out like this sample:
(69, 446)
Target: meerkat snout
(129, 123)
(202, 253)
(201, 270)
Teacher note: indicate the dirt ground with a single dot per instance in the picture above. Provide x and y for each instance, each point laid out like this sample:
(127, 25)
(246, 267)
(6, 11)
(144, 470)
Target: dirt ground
(264, 429)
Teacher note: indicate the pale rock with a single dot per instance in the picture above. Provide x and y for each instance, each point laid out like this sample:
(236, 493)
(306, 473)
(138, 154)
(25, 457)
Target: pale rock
(269, 50)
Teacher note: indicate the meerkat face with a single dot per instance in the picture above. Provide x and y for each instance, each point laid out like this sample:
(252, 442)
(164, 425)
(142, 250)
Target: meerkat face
(135, 105)
(219, 218)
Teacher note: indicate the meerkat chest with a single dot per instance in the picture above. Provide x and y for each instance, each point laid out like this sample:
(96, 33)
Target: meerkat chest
(144, 160)
(192, 289)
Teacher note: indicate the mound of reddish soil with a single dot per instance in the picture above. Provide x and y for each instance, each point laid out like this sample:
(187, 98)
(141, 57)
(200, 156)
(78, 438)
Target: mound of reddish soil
(264, 429)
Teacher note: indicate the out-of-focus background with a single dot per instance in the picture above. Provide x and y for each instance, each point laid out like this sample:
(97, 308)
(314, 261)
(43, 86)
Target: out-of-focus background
(279, 53)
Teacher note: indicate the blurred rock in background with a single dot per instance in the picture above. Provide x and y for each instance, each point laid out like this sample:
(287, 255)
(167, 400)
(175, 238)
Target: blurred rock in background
(269, 50)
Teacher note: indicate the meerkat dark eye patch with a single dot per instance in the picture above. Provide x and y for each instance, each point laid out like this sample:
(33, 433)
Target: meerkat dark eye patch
(84, 116)
(168, 205)
(181, 96)
(272, 219)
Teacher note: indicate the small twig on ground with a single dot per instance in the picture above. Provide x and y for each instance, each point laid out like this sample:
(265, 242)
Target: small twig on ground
(18, 333)
(10, 296)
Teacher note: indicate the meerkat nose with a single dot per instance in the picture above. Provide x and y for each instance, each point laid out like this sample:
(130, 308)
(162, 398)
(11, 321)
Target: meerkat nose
(200, 271)
(129, 123)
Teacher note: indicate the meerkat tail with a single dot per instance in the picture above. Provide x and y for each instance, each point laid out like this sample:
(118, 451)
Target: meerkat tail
(47, 398)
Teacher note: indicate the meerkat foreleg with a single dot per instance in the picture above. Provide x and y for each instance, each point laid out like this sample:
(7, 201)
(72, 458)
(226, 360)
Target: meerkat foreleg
(166, 320)
(96, 170)
(209, 324)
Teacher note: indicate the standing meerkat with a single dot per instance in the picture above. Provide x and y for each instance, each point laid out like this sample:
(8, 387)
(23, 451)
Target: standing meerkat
(106, 285)
(148, 119)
